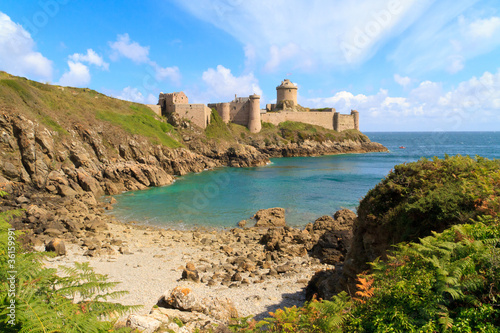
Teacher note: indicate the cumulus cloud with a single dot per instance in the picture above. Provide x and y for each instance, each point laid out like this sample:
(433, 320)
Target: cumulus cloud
(17, 52)
(135, 95)
(124, 47)
(402, 81)
(77, 76)
(474, 103)
(222, 84)
(91, 58)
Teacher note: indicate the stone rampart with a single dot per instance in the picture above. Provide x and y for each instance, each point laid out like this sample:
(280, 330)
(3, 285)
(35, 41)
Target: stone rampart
(323, 119)
(198, 114)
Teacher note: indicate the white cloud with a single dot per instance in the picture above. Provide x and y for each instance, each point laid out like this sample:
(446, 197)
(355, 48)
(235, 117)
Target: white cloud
(124, 47)
(91, 57)
(473, 104)
(446, 37)
(131, 94)
(278, 55)
(402, 81)
(455, 64)
(321, 31)
(250, 57)
(222, 85)
(162, 73)
(140, 54)
(17, 52)
(484, 28)
(77, 76)
(135, 95)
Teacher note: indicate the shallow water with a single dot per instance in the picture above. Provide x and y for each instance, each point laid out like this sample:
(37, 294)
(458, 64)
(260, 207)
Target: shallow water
(307, 187)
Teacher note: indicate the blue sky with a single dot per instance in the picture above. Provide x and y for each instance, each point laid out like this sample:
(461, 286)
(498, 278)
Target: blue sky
(404, 65)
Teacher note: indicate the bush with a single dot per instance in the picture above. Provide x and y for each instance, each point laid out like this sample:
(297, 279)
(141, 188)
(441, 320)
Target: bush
(433, 195)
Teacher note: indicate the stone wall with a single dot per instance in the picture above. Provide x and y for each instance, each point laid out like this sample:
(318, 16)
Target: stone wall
(156, 108)
(345, 121)
(198, 114)
(239, 111)
(167, 101)
(323, 119)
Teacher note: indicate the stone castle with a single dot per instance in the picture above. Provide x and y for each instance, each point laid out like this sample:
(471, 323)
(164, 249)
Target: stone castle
(246, 111)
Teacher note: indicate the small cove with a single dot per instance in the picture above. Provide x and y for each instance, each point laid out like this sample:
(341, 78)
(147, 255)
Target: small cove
(307, 187)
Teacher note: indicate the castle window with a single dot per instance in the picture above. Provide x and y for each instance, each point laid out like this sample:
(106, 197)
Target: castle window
(289, 90)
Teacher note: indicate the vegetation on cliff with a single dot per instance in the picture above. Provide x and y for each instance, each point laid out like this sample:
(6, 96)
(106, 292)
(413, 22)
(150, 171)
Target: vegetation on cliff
(58, 108)
(446, 280)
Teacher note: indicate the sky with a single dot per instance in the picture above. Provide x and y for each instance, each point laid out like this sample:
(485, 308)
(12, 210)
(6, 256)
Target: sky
(405, 65)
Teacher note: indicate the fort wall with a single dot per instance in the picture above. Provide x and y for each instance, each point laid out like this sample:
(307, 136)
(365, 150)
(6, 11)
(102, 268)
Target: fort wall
(156, 108)
(318, 118)
(198, 114)
(343, 122)
(246, 111)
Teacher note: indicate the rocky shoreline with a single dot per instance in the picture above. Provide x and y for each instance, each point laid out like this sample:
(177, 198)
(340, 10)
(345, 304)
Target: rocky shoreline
(250, 270)
(58, 180)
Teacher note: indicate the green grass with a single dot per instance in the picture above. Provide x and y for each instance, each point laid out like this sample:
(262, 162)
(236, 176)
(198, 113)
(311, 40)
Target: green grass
(217, 129)
(142, 121)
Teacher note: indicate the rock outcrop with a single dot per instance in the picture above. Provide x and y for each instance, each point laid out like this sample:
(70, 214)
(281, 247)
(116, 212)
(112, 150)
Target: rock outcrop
(271, 217)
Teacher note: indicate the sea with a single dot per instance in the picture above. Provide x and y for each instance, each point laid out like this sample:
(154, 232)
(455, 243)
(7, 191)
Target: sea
(307, 187)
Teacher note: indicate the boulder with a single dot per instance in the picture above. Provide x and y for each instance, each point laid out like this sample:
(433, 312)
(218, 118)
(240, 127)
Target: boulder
(144, 324)
(345, 218)
(271, 217)
(181, 299)
(56, 245)
(190, 273)
(184, 299)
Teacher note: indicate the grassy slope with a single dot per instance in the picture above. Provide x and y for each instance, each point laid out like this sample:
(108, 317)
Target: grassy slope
(58, 108)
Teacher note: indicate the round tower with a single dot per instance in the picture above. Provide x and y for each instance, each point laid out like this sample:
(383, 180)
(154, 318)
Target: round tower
(254, 124)
(355, 115)
(286, 91)
(225, 112)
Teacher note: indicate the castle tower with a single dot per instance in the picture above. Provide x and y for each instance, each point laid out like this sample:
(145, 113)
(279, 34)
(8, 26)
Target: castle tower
(254, 124)
(336, 124)
(355, 115)
(225, 112)
(286, 94)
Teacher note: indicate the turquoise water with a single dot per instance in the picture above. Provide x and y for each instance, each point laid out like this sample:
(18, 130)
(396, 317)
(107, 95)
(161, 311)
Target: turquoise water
(307, 187)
